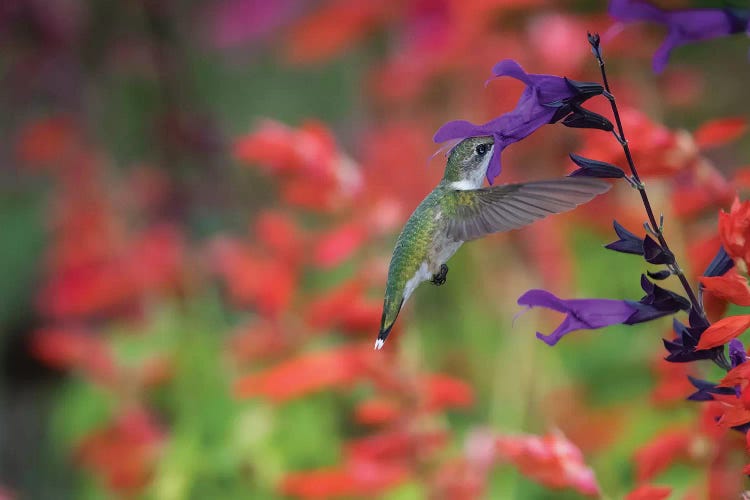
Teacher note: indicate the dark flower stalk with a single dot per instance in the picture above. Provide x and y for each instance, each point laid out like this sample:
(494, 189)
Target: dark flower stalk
(656, 229)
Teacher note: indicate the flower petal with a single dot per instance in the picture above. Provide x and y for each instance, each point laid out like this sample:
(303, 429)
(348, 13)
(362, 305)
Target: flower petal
(723, 331)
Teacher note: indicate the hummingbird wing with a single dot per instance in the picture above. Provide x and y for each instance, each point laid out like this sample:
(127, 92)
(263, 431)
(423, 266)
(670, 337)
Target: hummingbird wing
(479, 212)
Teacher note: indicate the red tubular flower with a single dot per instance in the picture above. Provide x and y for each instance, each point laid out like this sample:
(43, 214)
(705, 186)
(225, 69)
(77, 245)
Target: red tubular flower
(46, 141)
(734, 230)
(550, 460)
(253, 279)
(338, 244)
(661, 452)
(124, 452)
(649, 492)
(731, 287)
(68, 349)
(723, 331)
(280, 235)
(396, 445)
(354, 478)
(377, 411)
(444, 391)
(305, 374)
(720, 131)
(333, 28)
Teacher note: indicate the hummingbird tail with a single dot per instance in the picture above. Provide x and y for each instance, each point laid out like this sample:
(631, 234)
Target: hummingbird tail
(382, 335)
(385, 330)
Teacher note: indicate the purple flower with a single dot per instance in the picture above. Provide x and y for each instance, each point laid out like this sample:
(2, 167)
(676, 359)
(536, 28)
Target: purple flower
(706, 389)
(681, 349)
(685, 26)
(546, 99)
(581, 314)
(590, 314)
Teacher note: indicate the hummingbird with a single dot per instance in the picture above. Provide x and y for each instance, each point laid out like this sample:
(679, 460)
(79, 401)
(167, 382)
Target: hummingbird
(459, 209)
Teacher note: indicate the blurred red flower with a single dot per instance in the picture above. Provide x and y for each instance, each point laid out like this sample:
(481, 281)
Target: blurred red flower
(338, 244)
(443, 391)
(734, 230)
(719, 132)
(661, 452)
(125, 451)
(333, 28)
(47, 141)
(353, 478)
(649, 492)
(75, 348)
(550, 460)
(377, 411)
(305, 374)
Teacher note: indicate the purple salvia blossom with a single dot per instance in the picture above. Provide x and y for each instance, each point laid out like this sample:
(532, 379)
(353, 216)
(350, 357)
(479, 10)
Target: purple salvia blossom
(685, 26)
(581, 314)
(546, 99)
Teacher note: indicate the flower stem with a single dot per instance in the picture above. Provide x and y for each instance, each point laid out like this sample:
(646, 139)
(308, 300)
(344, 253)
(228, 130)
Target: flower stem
(658, 229)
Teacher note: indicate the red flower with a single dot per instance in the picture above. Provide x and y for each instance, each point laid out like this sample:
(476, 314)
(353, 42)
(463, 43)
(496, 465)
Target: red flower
(723, 331)
(345, 307)
(734, 230)
(254, 279)
(661, 452)
(71, 348)
(124, 452)
(735, 411)
(46, 141)
(305, 374)
(550, 460)
(354, 478)
(377, 411)
(649, 492)
(731, 287)
(719, 132)
(333, 28)
(280, 235)
(444, 391)
(672, 382)
(338, 244)
(396, 445)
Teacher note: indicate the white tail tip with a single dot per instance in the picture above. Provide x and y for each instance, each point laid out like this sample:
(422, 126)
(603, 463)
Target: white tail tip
(379, 344)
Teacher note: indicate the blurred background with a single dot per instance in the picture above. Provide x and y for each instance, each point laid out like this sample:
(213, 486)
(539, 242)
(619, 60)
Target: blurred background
(198, 201)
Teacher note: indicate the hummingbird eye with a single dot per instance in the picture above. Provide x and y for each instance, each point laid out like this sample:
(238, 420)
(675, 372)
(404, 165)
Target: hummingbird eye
(481, 149)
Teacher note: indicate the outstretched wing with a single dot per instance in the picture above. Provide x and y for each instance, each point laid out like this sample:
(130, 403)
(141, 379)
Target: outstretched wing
(479, 212)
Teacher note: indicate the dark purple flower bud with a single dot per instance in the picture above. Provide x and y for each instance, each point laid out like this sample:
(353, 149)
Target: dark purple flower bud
(628, 242)
(582, 91)
(685, 26)
(706, 390)
(595, 168)
(583, 118)
(654, 253)
(681, 349)
(720, 264)
(659, 275)
(581, 314)
(738, 19)
(594, 41)
(662, 298)
(737, 354)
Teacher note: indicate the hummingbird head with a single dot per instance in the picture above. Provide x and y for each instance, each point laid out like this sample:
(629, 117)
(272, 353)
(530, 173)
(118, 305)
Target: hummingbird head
(468, 162)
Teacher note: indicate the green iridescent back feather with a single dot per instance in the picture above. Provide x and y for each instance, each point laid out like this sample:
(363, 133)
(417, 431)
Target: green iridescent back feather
(409, 253)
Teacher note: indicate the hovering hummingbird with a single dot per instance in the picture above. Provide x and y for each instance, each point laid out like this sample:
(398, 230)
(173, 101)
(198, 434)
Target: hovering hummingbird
(459, 210)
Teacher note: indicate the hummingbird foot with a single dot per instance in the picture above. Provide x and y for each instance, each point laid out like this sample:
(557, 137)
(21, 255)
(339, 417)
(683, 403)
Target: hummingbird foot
(439, 279)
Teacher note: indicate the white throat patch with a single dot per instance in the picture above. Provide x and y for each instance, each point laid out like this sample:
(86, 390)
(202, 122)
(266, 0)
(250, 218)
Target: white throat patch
(476, 178)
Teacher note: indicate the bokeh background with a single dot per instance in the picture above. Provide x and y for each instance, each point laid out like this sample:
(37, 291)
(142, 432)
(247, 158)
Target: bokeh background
(198, 200)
